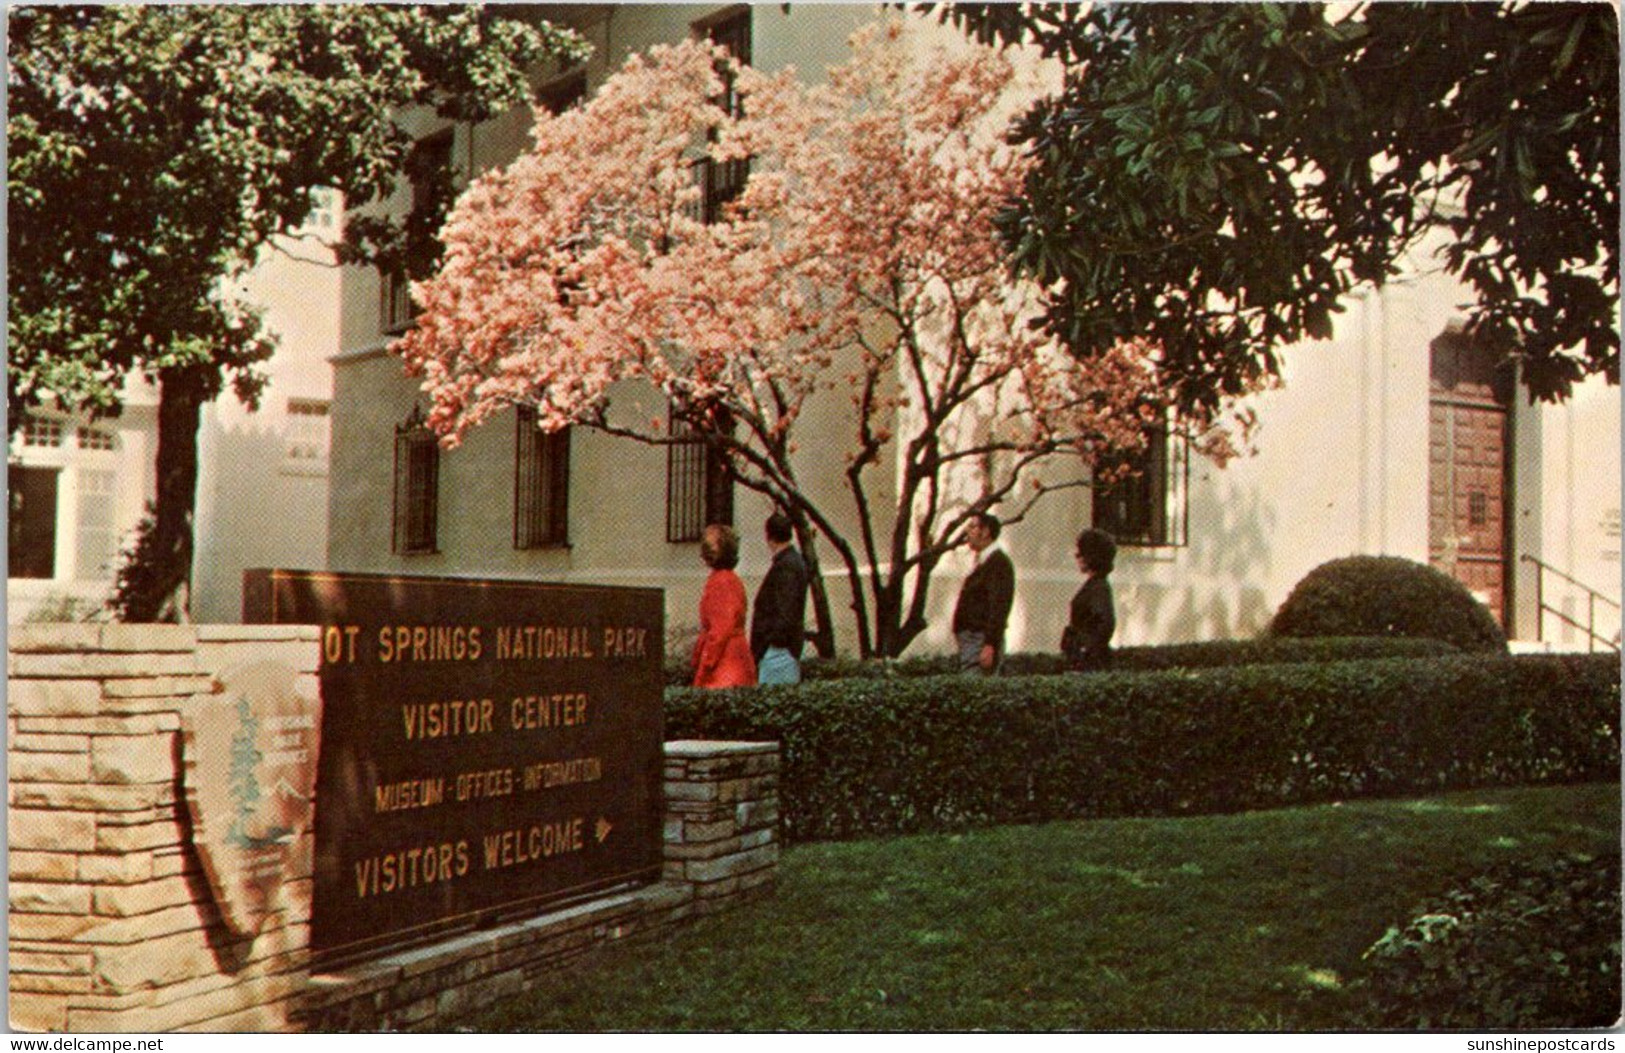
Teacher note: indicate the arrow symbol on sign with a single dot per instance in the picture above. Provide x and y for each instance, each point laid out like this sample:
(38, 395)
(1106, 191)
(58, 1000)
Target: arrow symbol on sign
(604, 828)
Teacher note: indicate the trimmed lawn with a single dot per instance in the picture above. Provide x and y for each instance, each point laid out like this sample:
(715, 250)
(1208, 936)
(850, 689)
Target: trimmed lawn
(1212, 923)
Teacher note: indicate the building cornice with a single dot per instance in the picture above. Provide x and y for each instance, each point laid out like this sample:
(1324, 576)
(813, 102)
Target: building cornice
(364, 353)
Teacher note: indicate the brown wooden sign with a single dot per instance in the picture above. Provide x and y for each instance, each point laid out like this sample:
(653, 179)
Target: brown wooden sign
(486, 745)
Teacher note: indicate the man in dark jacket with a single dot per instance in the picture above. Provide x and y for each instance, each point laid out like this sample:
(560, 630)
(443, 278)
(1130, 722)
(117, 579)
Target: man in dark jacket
(984, 599)
(778, 624)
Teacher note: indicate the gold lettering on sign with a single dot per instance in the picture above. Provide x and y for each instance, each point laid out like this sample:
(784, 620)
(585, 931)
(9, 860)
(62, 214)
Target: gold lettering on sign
(526, 845)
(548, 774)
(543, 641)
(433, 720)
(626, 643)
(430, 643)
(530, 712)
(495, 783)
(410, 867)
(338, 643)
(408, 793)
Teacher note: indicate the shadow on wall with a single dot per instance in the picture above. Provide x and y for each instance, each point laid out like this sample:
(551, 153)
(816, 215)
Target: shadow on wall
(258, 510)
(1221, 587)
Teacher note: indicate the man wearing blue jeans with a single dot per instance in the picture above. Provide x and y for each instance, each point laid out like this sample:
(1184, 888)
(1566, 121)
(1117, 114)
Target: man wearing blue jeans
(778, 624)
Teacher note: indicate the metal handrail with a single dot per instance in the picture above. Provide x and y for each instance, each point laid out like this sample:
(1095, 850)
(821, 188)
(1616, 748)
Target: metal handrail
(1592, 596)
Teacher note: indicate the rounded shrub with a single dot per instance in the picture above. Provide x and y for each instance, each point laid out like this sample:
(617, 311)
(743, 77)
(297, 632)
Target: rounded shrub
(1387, 596)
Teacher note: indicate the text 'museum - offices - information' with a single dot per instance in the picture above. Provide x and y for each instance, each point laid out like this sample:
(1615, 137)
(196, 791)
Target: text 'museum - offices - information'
(485, 744)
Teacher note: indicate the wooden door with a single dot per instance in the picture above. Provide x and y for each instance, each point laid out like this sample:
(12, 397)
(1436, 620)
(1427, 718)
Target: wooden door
(1470, 444)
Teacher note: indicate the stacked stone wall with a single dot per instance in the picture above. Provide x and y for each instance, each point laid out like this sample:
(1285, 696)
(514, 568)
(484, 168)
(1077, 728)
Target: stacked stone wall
(112, 924)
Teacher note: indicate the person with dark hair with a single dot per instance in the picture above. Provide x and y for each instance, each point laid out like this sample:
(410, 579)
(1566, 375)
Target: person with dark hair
(1086, 641)
(722, 656)
(984, 599)
(778, 629)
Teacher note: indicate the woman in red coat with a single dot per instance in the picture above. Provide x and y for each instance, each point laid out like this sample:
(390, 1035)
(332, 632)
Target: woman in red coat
(722, 653)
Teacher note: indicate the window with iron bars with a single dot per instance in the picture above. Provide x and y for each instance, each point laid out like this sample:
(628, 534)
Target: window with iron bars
(417, 486)
(541, 484)
(699, 487)
(721, 182)
(1146, 505)
(429, 169)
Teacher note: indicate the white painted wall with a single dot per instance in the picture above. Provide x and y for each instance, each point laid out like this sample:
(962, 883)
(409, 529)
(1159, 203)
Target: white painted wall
(255, 506)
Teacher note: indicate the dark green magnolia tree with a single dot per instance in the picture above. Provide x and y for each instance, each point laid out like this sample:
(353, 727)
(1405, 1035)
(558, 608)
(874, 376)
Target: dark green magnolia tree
(1216, 176)
(154, 153)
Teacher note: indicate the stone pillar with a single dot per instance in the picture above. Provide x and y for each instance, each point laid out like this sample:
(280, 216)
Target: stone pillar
(722, 814)
(112, 924)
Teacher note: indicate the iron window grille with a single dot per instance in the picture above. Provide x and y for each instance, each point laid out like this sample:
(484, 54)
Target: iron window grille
(699, 487)
(430, 172)
(417, 486)
(1147, 505)
(721, 182)
(541, 484)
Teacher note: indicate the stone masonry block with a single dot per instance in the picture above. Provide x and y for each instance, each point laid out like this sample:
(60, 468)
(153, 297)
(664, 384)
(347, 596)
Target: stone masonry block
(704, 849)
(133, 724)
(140, 838)
(29, 828)
(54, 697)
(713, 831)
(93, 797)
(708, 870)
(692, 748)
(133, 758)
(41, 866)
(123, 868)
(39, 897)
(754, 788)
(146, 637)
(692, 791)
(77, 665)
(51, 639)
(717, 889)
(25, 768)
(711, 769)
(155, 687)
(49, 928)
(48, 962)
(49, 982)
(758, 838)
(297, 655)
(48, 743)
(36, 1011)
(222, 632)
(146, 927)
(122, 901)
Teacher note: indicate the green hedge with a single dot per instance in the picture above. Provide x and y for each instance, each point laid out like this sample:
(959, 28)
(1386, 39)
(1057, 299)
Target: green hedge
(1209, 654)
(868, 756)
(1528, 946)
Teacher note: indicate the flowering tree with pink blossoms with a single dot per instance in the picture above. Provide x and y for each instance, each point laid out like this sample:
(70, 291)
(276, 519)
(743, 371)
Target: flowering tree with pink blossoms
(858, 265)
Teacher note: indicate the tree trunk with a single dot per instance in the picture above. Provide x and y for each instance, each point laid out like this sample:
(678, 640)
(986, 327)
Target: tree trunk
(156, 587)
(823, 634)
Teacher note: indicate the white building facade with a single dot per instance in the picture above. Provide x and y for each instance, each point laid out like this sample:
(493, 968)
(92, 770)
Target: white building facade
(80, 488)
(1390, 438)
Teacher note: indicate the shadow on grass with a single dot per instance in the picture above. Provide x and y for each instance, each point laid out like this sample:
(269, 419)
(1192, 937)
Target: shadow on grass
(1254, 921)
